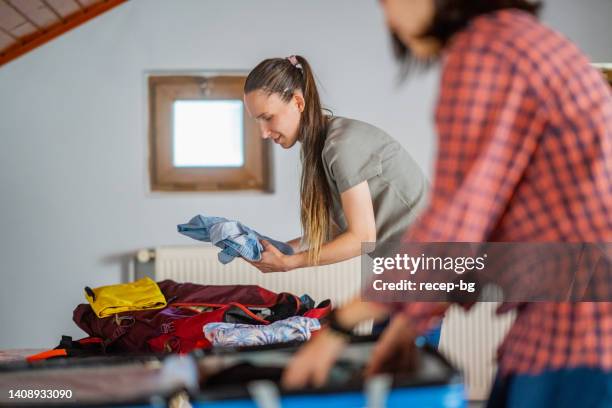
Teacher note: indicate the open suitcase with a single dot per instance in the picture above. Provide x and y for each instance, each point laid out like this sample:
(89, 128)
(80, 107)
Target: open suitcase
(240, 378)
(250, 378)
(121, 381)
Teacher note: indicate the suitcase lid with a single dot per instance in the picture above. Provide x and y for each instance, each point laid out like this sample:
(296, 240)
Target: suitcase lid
(269, 361)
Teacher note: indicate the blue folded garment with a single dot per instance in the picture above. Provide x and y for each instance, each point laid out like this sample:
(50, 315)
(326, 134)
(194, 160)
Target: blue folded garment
(234, 238)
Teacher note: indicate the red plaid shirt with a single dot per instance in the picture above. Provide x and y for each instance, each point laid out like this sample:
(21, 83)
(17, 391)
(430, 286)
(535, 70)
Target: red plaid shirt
(525, 154)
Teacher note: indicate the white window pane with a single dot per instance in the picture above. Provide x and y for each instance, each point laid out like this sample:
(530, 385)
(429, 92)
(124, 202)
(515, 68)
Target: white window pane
(208, 133)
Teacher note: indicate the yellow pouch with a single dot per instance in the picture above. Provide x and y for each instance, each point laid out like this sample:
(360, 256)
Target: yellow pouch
(143, 294)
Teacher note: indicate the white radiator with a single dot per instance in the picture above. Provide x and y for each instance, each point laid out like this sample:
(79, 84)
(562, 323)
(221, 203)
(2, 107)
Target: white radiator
(469, 340)
(199, 264)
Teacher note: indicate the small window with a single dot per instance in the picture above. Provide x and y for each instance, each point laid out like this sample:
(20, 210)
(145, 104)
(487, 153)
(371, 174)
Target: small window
(201, 138)
(199, 125)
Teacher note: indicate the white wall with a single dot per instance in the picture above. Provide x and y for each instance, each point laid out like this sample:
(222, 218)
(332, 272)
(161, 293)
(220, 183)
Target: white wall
(73, 163)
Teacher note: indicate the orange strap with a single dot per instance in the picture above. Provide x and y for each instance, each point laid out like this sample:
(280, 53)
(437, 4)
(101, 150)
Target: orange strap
(47, 354)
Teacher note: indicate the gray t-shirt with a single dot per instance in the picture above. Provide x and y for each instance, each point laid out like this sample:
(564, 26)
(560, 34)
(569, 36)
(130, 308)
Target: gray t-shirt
(354, 152)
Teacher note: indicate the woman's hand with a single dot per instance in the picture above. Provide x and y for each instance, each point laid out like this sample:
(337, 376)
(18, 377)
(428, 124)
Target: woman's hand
(311, 364)
(273, 260)
(393, 352)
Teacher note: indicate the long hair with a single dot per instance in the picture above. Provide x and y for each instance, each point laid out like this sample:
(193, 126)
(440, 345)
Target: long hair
(280, 76)
(451, 16)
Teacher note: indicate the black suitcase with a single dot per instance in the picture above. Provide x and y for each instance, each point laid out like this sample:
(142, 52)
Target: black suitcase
(249, 378)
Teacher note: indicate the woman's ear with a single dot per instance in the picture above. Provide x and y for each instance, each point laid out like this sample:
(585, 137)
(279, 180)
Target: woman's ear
(299, 101)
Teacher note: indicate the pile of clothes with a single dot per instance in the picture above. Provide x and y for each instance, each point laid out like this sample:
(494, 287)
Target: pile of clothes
(167, 316)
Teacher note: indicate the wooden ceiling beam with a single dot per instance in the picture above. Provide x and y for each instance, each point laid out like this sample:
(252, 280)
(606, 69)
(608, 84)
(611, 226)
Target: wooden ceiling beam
(21, 14)
(57, 29)
(54, 11)
(8, 33)
(80, 5)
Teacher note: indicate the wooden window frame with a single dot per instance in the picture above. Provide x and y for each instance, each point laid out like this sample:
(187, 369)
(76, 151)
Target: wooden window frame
(608, 74)
(606, 70)
(255, 174)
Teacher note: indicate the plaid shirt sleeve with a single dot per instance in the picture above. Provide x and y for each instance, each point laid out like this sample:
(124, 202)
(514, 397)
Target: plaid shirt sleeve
(483, 148)
(484, 144)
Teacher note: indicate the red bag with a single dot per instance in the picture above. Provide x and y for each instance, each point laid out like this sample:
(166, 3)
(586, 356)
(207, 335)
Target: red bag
(178, 326)
(187, 334)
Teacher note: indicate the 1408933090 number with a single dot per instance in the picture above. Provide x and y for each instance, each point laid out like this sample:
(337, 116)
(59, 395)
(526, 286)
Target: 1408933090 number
(40, 394)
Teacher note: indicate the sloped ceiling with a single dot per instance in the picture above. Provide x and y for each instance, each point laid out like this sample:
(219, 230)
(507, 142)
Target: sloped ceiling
(27, 24)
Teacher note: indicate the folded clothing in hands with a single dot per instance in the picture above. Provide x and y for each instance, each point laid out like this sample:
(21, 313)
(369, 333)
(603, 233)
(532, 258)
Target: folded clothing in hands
(234, 238)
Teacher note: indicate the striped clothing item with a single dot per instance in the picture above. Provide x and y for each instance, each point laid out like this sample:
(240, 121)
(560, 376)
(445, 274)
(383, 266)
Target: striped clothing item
(525, 155)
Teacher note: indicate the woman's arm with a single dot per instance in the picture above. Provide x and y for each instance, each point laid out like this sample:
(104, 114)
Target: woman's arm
(297, 245)
(361, 227)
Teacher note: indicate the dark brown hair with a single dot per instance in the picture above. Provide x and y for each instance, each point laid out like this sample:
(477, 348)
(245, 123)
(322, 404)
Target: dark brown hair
(280, 76)
(452, 16)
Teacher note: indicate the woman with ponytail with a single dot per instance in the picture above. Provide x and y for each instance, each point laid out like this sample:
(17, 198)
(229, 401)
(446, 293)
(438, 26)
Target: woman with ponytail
(357, 185)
